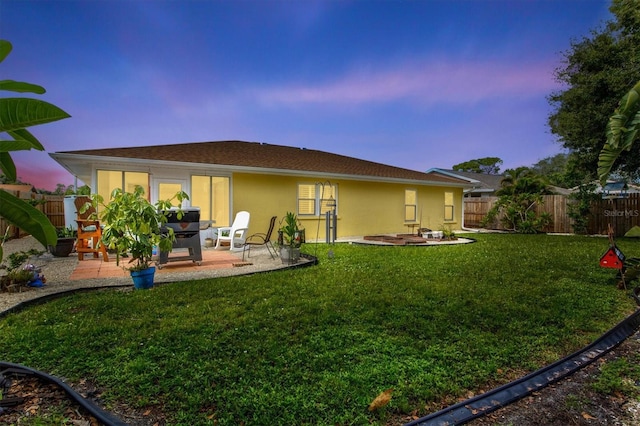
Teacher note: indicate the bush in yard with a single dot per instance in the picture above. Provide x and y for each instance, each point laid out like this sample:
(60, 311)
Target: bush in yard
(520, 194)
(580, 207)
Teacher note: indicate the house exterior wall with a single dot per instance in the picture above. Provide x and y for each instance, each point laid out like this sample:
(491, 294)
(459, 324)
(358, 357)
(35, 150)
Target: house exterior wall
(364, 208)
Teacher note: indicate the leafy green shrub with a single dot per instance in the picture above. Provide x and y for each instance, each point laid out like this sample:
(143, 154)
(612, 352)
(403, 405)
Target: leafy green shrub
(580, 207)
(520, 193)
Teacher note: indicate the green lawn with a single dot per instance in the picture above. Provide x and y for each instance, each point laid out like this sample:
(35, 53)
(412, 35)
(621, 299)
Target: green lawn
(316, 345)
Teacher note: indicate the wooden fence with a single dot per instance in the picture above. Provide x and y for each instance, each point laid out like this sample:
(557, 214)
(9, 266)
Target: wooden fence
(621, 213)
(51, 205)
(475, 209)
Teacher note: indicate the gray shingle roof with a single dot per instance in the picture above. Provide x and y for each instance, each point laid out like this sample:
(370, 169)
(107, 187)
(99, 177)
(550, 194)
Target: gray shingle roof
(266, 156)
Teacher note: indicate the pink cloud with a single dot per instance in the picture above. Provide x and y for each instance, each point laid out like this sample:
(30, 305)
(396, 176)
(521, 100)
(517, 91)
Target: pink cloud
(39, 170)
(426, 83)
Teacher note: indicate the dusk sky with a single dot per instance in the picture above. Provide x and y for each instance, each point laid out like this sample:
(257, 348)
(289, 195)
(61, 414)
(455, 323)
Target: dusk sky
(414, 84)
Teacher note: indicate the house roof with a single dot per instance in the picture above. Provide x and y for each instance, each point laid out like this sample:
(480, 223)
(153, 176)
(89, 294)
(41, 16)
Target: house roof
(481, 182)
(256, 157)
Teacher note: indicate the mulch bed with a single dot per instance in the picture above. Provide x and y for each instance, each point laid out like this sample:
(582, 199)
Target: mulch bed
(400, 239)
(29, 397)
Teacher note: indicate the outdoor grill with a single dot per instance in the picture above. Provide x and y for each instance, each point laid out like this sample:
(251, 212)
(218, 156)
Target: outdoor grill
(187, 233)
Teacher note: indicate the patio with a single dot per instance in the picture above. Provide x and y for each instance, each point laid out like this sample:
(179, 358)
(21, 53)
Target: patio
(68, 274)
(92, 268)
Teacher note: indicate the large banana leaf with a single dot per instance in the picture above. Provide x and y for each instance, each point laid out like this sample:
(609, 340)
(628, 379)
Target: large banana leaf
(622, 131)
(7, 167)
(23, 140)
(28, 218)
(18, 113)
(5, 49)
(27, 136)
(15, 145)
(21, 87)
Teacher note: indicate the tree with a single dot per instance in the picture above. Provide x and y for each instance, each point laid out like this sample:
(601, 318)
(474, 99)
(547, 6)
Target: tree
(16, 114)
(597, 71)
(622, 131)
(553, 169)
(486, 165)
(522, 180)
(520, 192)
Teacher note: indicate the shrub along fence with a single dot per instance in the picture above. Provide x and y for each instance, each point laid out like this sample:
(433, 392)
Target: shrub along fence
(621, 213)
(51, 205)
(475, 209)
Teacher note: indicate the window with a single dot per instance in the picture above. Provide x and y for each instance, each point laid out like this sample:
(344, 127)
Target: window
(448, 206)
(211, 195)
(316, 199)
(108, 180)
(167, 190)
(410, 205)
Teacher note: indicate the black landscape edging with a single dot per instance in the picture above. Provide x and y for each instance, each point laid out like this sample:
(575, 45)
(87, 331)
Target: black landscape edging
(102, 416)
(492, 400)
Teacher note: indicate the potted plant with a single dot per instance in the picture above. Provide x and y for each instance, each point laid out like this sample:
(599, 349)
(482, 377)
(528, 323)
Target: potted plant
(290, 238)
(66, 241)
(448, 234)
(21, 275)
(133, 227)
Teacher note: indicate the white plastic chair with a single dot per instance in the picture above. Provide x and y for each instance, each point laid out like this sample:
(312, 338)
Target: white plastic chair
(235, 234)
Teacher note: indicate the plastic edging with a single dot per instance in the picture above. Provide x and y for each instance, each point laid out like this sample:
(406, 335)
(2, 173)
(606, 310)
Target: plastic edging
(492, 400)
(102, 416)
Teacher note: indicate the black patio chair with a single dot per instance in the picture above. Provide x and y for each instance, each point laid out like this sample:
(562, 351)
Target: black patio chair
(261, 239)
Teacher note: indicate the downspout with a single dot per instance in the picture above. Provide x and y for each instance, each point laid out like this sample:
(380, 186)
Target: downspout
(463, 227)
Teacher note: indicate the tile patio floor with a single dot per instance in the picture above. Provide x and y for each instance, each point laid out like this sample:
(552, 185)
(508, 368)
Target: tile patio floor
(90, 267)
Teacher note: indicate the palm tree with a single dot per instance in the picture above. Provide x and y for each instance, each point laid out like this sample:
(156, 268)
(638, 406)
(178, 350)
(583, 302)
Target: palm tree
(622, 131)
(522, 180)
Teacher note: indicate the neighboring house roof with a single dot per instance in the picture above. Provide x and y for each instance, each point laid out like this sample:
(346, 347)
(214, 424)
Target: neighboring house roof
(481, 182)
(22, 187)
(489, 184)
(614, 189)
(251, 157)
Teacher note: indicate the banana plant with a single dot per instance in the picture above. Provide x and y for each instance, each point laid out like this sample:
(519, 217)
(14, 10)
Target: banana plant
(622, 131)
(16, 114)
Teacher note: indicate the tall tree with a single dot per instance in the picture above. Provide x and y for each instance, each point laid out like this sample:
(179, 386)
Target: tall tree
(597, 71)
(553, 169)
(486, 165)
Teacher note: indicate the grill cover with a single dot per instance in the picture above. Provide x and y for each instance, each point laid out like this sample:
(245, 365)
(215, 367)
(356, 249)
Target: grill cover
(187, 233)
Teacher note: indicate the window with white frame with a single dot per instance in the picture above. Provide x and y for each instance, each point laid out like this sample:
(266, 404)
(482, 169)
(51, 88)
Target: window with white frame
(410, 205)
(108, 180)
(448, 207)
(316, 199)
(211, 195)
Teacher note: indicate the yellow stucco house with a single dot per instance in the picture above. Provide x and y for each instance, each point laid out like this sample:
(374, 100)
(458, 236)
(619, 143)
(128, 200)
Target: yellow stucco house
(268, 180)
